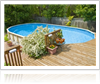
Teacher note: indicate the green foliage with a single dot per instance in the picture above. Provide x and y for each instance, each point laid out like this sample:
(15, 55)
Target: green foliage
(88, 12)
(59, 34)
(68, 23)
(18, 14)
(54, 11)
(68, 11)
(52, 46)
(6, 38)
(34, 44)
(6, 65)
(70, 18)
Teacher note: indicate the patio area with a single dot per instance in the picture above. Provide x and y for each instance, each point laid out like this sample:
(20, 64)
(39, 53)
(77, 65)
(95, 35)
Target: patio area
(79, 54)
(59, 78)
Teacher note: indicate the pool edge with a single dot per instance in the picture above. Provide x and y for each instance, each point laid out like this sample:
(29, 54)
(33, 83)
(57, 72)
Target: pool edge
(15, 38)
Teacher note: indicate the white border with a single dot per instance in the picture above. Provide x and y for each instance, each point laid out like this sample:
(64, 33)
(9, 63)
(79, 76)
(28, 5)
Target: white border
(50, 2)
(50, 72)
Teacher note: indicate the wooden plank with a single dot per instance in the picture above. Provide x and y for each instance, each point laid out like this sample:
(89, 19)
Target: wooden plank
(18, 58)
(6, 60)
(15, 58)
(12, 59)
(53, 32)
(47, 42)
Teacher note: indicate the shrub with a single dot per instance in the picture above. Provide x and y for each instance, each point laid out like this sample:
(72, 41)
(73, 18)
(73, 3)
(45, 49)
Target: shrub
(88, 12)
(34, 44)
(70, 18)
(68, 23)
(6, 38)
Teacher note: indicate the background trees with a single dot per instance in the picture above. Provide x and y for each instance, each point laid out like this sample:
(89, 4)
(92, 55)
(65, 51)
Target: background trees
(88, 12)
(18, 14)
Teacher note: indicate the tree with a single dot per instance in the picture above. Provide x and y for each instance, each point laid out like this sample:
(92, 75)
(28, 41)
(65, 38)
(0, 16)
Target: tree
(88, 12)
(18, 14)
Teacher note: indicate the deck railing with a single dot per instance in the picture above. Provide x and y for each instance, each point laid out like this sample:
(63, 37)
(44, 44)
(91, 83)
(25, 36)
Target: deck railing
(13, 78)
(12, 56)
(52, 37)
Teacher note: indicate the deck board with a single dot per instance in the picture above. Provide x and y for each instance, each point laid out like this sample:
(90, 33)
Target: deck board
(79, 54)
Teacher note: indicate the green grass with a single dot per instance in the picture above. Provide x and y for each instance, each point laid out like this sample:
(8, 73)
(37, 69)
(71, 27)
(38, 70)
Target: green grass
(6, 65)
(6, 38)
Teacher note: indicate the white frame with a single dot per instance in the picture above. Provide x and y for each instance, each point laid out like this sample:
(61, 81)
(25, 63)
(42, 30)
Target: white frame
(50, 2)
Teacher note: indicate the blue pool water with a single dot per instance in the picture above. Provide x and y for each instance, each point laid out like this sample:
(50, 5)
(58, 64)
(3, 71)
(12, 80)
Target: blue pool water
(71, 35)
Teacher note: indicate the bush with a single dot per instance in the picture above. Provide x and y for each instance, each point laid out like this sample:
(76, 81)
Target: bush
(34, 44)
(6, 38)
(70, 18)
(18, 14)
(68, 23)
(88, 12)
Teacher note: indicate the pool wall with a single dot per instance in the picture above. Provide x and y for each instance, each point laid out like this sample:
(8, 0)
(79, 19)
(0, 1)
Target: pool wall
(16, 39)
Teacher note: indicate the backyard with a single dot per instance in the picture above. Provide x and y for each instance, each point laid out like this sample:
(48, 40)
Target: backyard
(81, 54)
(49, 35)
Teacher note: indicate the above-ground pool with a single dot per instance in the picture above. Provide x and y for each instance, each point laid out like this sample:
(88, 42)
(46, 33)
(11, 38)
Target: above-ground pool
(71, 35)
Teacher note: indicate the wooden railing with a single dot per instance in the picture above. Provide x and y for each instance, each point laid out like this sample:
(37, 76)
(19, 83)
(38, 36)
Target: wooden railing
(13, 78)
(13, 58)
(53, 37)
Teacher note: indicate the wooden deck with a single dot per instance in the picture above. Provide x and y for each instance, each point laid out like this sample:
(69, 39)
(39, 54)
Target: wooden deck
(79, 54)
(59, 78)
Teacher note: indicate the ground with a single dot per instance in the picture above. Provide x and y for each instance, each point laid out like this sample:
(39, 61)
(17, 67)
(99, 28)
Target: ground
(79, 54)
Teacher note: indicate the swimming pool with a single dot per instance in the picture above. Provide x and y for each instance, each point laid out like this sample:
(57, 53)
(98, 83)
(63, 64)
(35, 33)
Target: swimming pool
(71, 35)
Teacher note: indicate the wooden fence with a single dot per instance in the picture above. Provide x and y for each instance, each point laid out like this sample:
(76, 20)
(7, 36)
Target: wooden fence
(14, 58)
(52, 38)
(13, 78)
